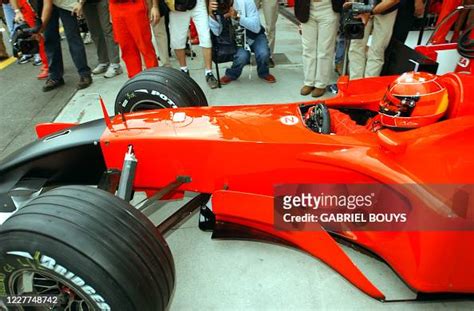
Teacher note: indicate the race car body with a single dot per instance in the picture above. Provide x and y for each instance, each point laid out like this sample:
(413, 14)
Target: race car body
(239, 153)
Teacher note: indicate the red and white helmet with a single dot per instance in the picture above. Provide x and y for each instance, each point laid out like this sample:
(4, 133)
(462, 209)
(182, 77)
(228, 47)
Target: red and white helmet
(413, 100)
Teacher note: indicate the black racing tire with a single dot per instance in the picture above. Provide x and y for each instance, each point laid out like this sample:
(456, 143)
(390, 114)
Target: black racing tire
(93, 244)
(159, 88)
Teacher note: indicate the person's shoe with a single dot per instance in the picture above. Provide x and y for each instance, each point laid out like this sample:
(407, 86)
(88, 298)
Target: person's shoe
(269, 78)
(306, 90)
(43, 74)
(225, 80)
(113, 70)
(186, 72)
(101, 68)
(318, 92)
(52, 84)
(211, 80)
(338, 68)
(84, 82)
(271, 63)
(25, 59)
(37, 61)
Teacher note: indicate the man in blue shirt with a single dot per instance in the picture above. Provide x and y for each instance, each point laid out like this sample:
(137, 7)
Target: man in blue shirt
(246, 14)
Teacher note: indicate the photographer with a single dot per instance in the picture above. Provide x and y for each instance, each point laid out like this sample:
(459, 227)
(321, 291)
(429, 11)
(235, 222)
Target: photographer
(25, 12)
(245, 14)
(378, 23)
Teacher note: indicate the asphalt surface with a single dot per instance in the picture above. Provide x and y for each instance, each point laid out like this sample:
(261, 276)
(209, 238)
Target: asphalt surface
(23, 103)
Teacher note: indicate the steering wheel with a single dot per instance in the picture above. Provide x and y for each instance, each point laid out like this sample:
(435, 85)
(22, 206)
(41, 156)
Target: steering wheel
(319, 119)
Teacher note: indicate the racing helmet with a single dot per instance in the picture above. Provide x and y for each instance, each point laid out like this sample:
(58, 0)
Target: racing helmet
(413, 100)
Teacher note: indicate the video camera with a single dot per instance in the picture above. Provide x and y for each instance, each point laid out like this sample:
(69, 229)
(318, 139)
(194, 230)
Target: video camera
(23, 41)
(237, 32)
(353, 27)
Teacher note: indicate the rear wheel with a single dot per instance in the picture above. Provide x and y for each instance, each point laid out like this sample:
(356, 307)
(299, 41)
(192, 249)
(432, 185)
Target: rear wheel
(158, 88)
(87, 247)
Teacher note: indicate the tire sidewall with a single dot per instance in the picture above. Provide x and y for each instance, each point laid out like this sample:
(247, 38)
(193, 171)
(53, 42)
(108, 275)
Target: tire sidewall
(135, 94)
(73, 271)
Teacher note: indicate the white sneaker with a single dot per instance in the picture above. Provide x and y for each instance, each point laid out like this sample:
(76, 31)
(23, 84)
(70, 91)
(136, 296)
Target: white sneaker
(113, 70)
(101, 68)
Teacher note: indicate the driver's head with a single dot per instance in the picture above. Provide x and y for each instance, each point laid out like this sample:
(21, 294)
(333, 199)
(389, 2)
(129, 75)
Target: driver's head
(413, 100)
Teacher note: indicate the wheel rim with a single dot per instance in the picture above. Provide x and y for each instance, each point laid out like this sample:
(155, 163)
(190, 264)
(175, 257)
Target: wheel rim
(45, 283)
(143, 105)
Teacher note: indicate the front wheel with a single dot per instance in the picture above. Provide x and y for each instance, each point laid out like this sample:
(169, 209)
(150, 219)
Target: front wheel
(159, 88)
(89, 249)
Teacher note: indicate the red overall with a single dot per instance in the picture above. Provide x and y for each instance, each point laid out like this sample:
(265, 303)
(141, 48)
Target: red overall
(30, 17)
(131, 27)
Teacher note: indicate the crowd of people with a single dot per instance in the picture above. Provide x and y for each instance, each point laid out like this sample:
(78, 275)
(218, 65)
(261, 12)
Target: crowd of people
(126, 27)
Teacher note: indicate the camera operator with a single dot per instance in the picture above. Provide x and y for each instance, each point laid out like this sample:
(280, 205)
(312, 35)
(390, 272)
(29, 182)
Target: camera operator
(378, 23)
(242, 13)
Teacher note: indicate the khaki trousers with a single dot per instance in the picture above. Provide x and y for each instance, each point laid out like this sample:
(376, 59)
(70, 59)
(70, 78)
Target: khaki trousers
(270, 13)
(369, 64)
(98, 20)
(161, 42)
(319, 40)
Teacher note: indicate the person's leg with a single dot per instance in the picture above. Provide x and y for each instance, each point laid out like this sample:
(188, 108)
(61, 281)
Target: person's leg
(270, 13)
(241, 58)
(75, 43)
(383, 27)
(130, 53)
(179, 24)
(201, 21)
(161, 38)
(309, 39)
(357, 53)
(262, 54)
(404, 21)
(139, 27)
(3, 49)
(52, 43)
(91, 14)
(106, 27)
(328, 22)
(340, 43)
(9, 17)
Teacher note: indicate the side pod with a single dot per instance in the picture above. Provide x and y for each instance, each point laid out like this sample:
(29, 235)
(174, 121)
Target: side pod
(70, 156)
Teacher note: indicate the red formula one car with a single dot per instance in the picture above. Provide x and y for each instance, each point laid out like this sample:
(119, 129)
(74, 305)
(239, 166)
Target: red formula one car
(90, 249)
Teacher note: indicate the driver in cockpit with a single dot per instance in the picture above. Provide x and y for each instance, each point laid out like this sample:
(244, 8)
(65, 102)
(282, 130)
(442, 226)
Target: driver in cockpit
(413, 100)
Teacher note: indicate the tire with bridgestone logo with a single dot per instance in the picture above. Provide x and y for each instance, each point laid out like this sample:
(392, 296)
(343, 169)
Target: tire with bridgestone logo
(158, 88)
(90, 248)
